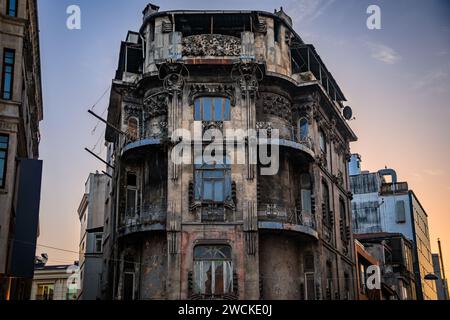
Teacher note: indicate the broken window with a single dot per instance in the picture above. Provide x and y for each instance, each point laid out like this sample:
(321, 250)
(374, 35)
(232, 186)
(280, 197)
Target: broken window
(212, 109)
(131, 201)
(213, 182)
(4, 143)
(213, 270)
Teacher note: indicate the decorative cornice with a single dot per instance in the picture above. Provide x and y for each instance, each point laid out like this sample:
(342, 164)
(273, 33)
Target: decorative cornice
(211, 45)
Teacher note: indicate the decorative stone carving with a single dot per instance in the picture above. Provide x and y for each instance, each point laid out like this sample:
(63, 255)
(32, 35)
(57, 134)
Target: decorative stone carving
(199, 90)
(277, 105)
(211, 45)
(132, 111)
(156, 105)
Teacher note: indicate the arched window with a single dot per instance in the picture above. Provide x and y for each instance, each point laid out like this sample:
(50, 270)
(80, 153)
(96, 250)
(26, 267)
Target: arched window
(213, 270)
(133, 128)
(213, 181)
(212, 109)
(303, 129)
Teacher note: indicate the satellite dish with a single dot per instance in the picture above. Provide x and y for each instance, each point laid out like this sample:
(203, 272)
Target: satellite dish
(348, 113)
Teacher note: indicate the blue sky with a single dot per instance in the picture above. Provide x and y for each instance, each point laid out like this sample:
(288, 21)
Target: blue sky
(396, 79)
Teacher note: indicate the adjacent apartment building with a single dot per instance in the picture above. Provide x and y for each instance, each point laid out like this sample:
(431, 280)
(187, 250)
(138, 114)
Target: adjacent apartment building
(91, 212)
(219, 228)
(20, 170)
(54, 283)
(382, 204)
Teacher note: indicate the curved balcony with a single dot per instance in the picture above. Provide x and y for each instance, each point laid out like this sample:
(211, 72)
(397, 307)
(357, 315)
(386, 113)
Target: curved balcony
(133, 142)
(144, 219)
(289, 137)
(278, 218)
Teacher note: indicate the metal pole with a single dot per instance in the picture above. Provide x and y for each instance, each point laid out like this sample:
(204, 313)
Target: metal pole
(442, 259)
(96, 156)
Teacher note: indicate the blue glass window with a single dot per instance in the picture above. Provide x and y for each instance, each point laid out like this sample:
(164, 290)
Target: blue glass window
(213, 182)
(4, 141)
(303, 128)
(8, 73)
(11, 9)
(212, 109)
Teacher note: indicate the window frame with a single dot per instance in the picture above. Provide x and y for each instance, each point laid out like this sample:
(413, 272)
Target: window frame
(225, 179)
(323, 140)
(98, 237)
(9, 8)
(199, 109)
(215, 262)
(301, 128)
(135, 189)
(4, 66)
(5, 166)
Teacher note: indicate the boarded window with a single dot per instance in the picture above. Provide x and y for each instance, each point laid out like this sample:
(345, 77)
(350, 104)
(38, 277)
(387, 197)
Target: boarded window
(212, 109)
(400, 211)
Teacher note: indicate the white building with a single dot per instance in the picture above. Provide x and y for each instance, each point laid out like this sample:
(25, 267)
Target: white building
(380, 205)
(52, 283)
(91, 214)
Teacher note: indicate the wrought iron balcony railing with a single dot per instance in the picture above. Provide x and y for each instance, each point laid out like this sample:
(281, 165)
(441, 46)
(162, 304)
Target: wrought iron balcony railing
(277, 213)
(145, 215)
(287, 132)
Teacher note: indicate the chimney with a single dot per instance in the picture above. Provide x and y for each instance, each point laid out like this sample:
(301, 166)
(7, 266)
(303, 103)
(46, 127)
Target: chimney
(150, 9)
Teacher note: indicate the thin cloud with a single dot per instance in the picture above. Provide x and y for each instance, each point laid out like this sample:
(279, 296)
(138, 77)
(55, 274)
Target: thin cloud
(305, 11)
(383, 53)
(434, 173)
(431, 79)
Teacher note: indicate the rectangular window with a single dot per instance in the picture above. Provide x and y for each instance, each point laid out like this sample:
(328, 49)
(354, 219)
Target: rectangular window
(45, 292)
(212, 109)
(400, 211)
(310, 286)
(128, 286)
(131, 201)
(8, 74)
(11, 8)
(98, 243)
(4, 142)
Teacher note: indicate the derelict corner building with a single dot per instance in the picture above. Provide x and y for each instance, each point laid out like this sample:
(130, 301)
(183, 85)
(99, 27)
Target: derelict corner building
(213, 230)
